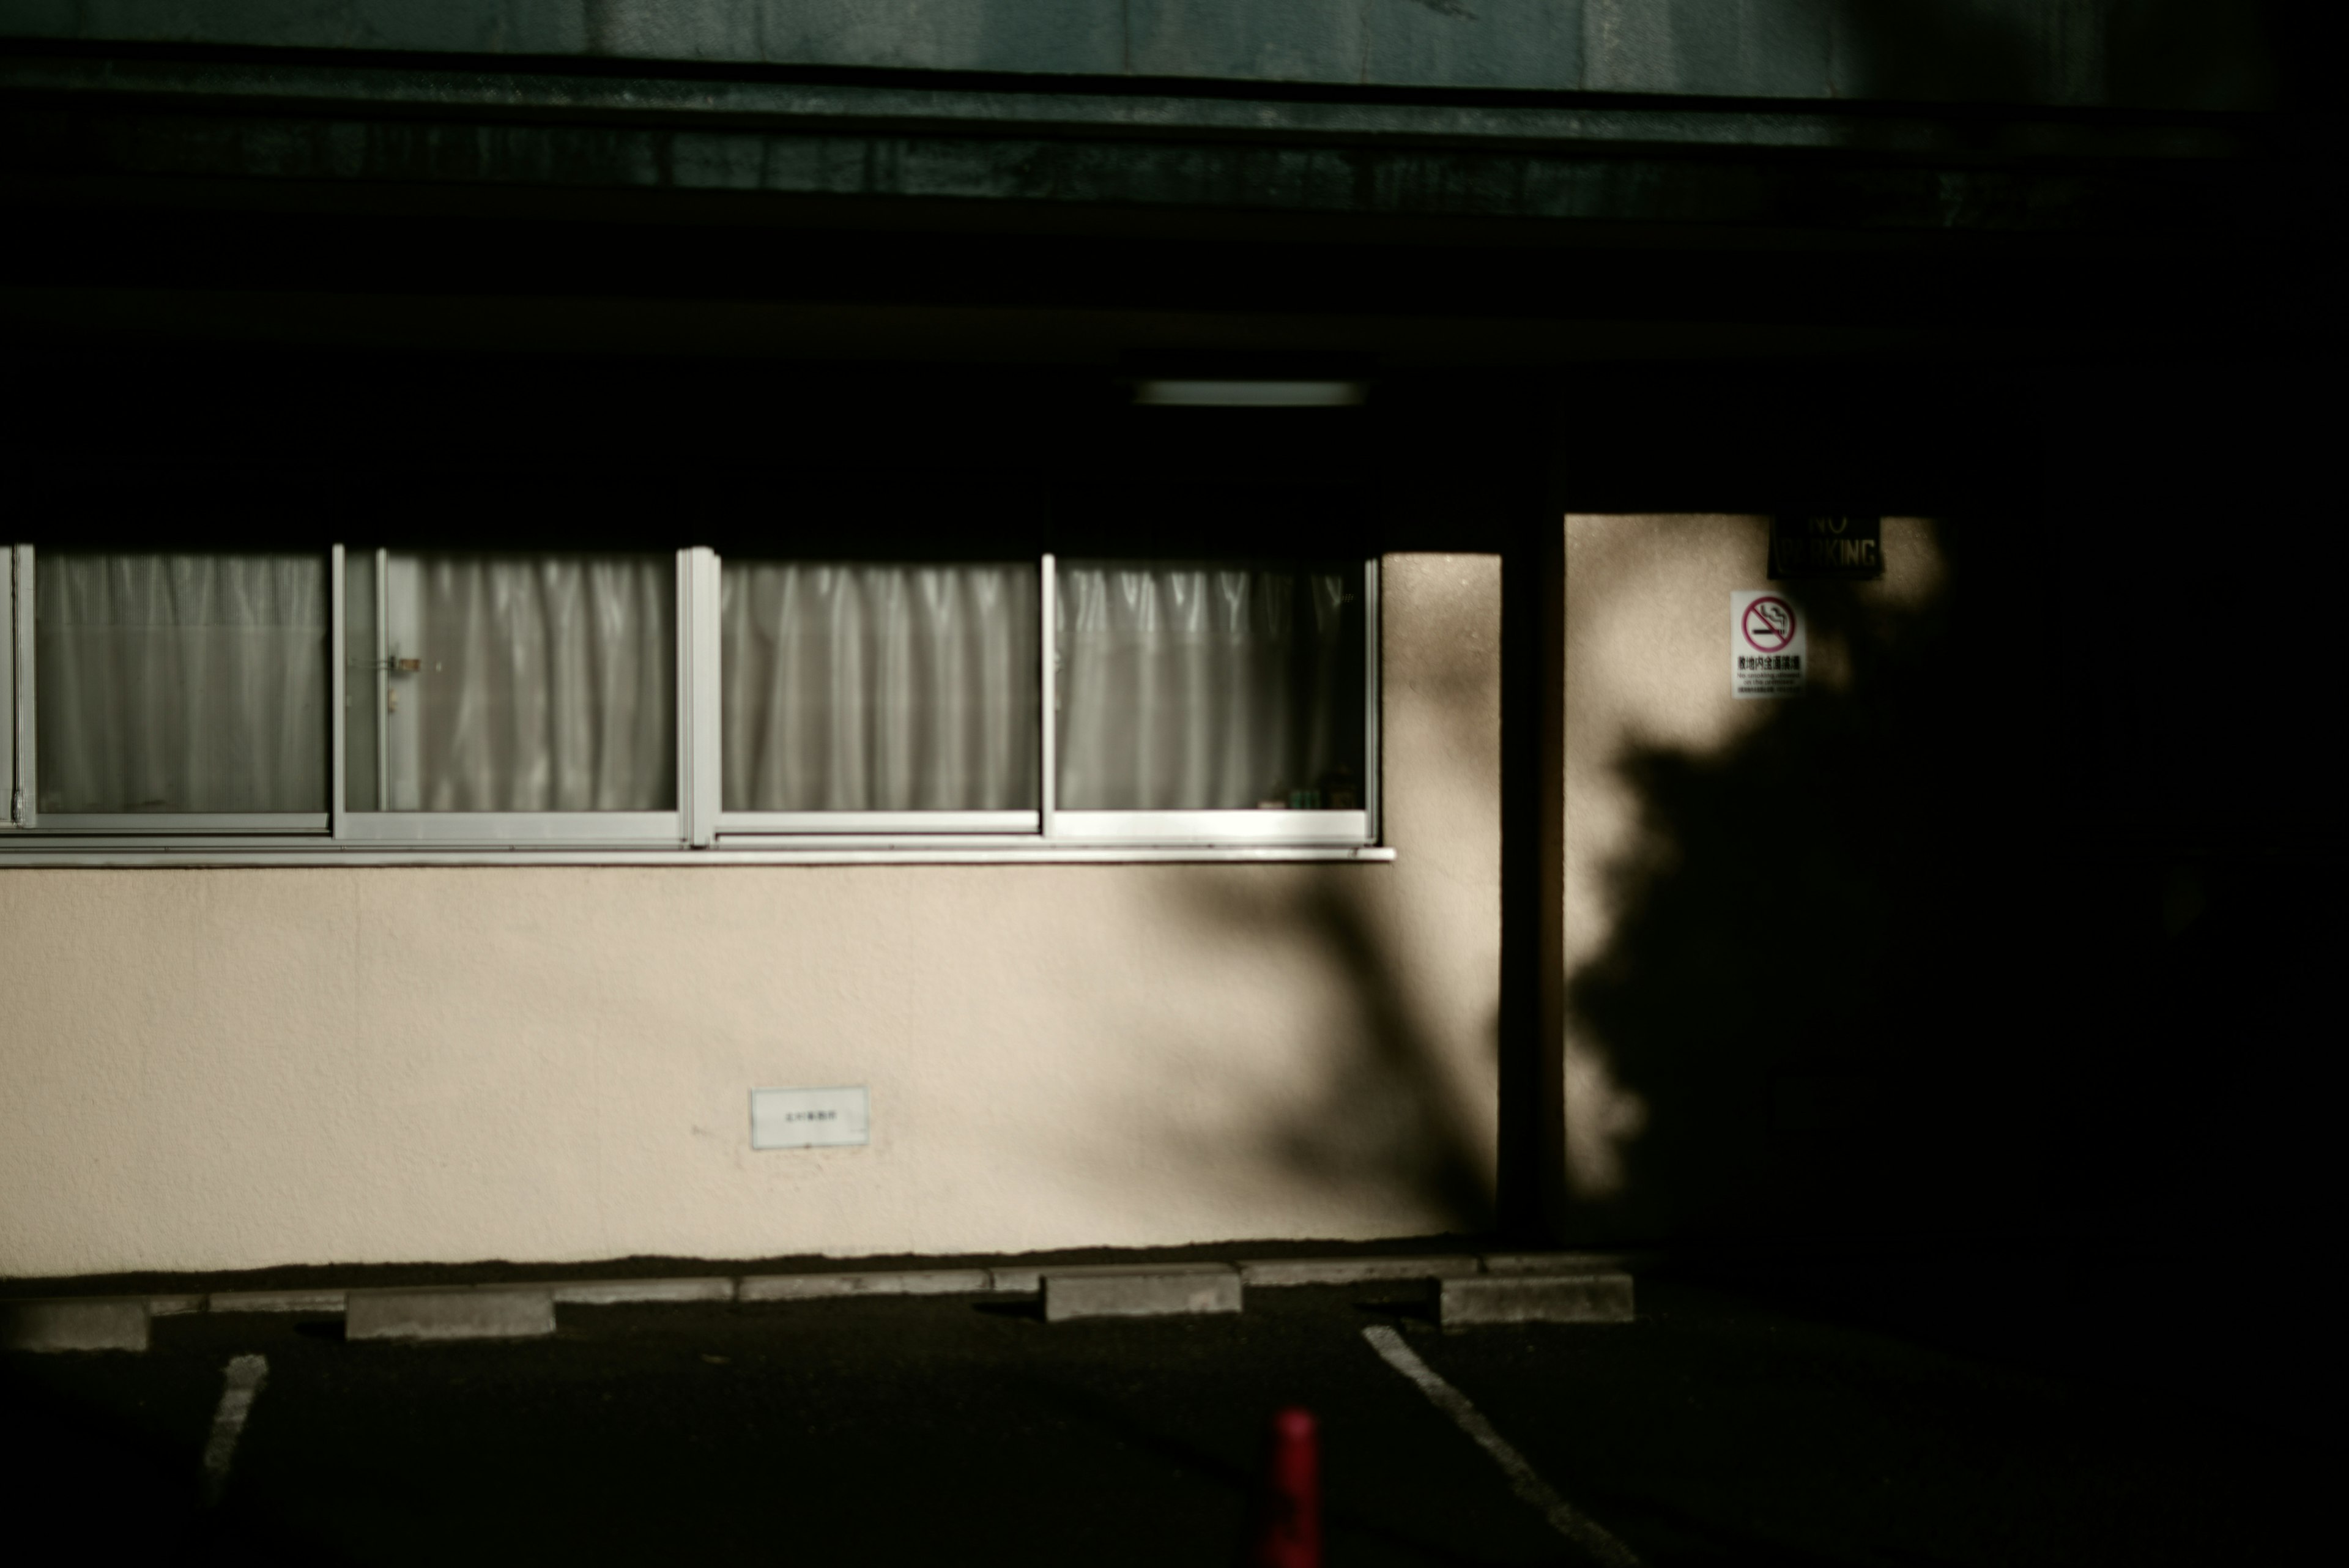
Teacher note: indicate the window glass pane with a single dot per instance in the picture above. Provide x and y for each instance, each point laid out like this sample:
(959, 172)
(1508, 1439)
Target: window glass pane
(879, 688)
(1205, 687)
(181, 683)
(518, 683)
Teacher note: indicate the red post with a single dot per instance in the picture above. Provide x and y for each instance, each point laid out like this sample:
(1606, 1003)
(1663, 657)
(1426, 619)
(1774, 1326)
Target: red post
(1288, 1531)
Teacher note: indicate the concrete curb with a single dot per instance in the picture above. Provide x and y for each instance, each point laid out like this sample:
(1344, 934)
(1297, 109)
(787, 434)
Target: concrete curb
(1016, 1279)
(1276, 1271)
(71, 1322)
(323, 1303)
(1016, 1282)
(1583, 1297)
(878, 1283)
(632, 1292)
(451, 1312)
(1140, 1290)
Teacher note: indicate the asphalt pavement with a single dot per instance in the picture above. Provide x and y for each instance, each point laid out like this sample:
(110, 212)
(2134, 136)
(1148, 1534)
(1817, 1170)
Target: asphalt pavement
(1717, 1428)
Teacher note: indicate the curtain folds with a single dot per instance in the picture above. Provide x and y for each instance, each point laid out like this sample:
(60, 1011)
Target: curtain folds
(1188, 687)
(181, 682)
(542, 683)
(879, 688)
(200, 683)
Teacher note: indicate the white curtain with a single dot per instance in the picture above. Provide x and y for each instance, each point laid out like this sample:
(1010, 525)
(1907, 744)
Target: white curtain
(1197, 688)
(181, 683)
(879, 688)
(541, 683)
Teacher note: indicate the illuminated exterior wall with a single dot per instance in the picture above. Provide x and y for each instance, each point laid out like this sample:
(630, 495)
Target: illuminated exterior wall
(221, 1069)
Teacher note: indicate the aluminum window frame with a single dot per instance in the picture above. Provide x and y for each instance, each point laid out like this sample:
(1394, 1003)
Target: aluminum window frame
(140, 826)
(697, 830)
(1244, 829)
(12, 801)
(869, 829)
(662, 828)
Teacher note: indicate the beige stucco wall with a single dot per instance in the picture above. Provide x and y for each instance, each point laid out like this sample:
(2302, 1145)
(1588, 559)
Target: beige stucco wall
(1647, 669)
(208, 1069)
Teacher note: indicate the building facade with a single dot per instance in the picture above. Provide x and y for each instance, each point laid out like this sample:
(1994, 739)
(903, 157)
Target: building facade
(1153, 586)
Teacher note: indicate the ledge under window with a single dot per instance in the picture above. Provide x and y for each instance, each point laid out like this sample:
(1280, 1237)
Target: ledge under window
(42, 850)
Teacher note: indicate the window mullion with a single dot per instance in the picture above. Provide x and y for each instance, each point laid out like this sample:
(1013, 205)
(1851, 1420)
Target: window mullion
(700, 758)
(1047, 724)
(337, 699)
(378, 716)
(1373, 680)
(26, 796)
(9, 696)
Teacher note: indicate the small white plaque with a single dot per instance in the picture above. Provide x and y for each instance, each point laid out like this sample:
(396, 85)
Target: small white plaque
(810, 1118)
(1769, 645)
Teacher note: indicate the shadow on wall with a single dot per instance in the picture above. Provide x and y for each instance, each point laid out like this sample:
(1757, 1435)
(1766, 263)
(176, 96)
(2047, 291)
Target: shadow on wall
(1374, 1112)
(1386, 1120)
(1801, 918)
(1890, 960)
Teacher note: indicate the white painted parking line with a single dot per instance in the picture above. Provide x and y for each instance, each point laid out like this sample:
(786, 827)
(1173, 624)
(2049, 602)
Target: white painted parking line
(1563, 1516)
(245, 1375)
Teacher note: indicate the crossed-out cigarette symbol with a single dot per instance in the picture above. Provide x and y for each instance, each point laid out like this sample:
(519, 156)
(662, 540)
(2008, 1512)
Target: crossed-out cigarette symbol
(1769, 624)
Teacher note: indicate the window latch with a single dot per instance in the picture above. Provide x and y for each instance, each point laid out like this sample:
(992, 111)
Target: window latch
(17, 804)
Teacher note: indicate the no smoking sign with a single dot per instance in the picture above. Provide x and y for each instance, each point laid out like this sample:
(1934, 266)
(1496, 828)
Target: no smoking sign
(1769, 645)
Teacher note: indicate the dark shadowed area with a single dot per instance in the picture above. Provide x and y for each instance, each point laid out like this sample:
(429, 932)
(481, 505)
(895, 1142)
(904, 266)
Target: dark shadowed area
(1717, 1429)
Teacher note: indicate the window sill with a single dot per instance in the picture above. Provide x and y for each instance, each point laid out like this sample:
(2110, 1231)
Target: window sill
(314, 853)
